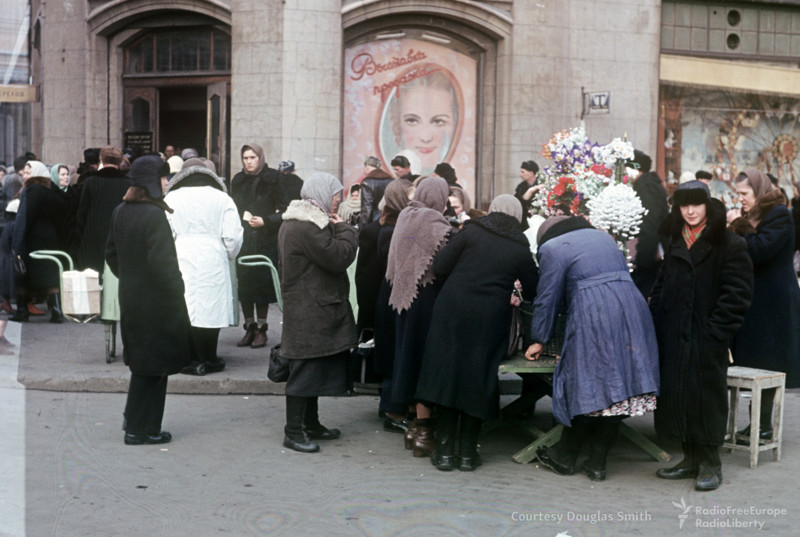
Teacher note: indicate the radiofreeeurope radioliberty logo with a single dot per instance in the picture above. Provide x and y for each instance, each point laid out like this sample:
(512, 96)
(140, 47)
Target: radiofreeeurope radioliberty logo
(718, 516)
(685, 511)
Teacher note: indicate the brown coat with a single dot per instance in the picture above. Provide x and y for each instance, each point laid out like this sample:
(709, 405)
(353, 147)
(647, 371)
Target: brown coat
(317, 317)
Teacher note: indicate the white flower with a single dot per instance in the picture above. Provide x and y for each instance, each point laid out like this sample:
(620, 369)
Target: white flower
(617, 210)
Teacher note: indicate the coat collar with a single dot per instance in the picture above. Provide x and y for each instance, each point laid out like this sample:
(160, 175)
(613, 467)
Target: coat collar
(304, 211)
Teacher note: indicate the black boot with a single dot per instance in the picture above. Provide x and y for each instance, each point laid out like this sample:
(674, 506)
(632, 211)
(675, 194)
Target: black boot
(313, 428)
(709, 471)
(22, 314)
(468, 443)
(54, 303)
(444, 458)
(562, 456)
(686, 469)
(604, 432)
(296, 437)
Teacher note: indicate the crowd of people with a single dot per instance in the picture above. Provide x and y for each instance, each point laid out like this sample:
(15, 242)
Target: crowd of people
(434, 279)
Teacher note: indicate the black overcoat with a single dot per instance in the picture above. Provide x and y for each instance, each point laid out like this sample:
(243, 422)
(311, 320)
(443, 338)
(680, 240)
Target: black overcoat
(698, 303)
(317, 318)
(653, 196)
(153, 316)
(36, 228)
(370, 271)
(468, 336)
(770, 335)
(100, 195)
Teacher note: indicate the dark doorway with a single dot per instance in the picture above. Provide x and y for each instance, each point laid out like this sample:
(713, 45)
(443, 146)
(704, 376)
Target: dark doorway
(182, 117)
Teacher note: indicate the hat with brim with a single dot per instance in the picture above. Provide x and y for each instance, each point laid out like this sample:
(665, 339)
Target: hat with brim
(146, 172)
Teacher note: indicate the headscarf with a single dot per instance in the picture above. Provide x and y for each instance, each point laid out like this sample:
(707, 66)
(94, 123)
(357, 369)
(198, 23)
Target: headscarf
(508, 204)
(54, 169)
(759, 182)
(319, 189)
(396, 199)
(421, 231)
(38, 169)
(259, 153)
(175, 164)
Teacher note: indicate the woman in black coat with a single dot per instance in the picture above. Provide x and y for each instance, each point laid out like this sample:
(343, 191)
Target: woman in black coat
(774, 317)
(36, 228)
(468, 336)
(257, 191)
(698, 303)
(153, 317)
(319, 330)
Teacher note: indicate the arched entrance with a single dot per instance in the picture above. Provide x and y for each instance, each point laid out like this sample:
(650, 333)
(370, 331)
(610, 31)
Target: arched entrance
(176, 84)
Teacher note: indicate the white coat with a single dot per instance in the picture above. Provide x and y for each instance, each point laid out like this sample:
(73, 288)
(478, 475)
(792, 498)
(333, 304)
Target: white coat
(208, 234)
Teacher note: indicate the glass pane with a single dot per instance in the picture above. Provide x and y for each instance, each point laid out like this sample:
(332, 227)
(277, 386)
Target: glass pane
(204, 51)
(699, 39)
(683, 15)
(147, 55)
(162, 53)
(716, 41)
(222, 47)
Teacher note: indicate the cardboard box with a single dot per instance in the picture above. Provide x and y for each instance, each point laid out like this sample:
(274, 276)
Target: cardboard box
(80, 292)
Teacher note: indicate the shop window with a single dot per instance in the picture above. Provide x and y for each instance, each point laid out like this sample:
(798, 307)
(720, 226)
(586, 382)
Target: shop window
(188, 50)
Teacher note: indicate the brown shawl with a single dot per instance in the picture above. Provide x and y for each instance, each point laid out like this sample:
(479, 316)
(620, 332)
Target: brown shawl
(767, 196)
(421, 231)
(396, 197)
(262, 161)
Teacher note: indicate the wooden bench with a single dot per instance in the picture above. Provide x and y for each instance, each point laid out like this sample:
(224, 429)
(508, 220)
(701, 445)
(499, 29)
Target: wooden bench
(546, 366)
(756, 380)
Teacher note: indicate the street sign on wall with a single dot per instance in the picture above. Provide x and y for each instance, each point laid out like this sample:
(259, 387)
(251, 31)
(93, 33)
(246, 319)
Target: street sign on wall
(18, 93)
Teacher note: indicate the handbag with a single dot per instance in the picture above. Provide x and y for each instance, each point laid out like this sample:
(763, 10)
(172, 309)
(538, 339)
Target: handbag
(19, 265)
(514, 332)
(278, 370)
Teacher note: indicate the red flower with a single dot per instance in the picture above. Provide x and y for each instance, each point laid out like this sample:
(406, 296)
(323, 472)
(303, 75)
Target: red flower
(559, 189)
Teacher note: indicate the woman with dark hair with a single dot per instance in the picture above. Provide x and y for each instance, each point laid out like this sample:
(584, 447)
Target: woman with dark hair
(772, 320)
(609, 361)
(258, 195)
(36, 227)
(527, 188)
(208, 234)
(469, 329)
(421, 231)
(319, 330)
(698, 303)
(153, 317)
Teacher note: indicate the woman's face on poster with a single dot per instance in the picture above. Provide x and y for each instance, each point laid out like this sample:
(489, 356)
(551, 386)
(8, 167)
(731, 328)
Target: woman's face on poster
(427, 123)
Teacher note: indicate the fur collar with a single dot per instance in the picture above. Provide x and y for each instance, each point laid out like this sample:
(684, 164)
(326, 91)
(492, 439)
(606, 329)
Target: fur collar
(500, 224)
(305, 211)
(137, 194)
(764, 205)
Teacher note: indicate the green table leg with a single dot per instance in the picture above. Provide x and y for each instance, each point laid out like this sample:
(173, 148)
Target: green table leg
(528, 453)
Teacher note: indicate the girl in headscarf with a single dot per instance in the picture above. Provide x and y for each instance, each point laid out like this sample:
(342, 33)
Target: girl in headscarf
(67, 230)
(319, 330)
(36, 228)
(469, 329)
(260, 200)
(773, 317)
(421, 231)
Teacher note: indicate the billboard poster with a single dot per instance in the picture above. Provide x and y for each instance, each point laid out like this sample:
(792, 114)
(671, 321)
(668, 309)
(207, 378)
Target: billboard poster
(409, 97)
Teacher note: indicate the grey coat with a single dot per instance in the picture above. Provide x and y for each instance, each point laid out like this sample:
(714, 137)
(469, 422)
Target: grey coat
(314, 255)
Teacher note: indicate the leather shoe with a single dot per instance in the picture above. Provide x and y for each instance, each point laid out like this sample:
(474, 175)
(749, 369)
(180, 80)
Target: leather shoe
(743, 436)
(140, 439)
(677, 472)
(708, 479)
(306, 446)
(469, 464)
(445, 463)
(216, 366)
(549, 462)
(395, 426)
(594, 475)
(323, 433)
(195, 368)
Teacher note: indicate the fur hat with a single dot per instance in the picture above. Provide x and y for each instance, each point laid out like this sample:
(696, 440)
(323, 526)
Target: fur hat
(372, 161)
(691, 193)
(530, 166)
(146, 172)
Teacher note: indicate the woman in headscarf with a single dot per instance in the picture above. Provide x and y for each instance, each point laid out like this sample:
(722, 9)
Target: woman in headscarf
(376, 237)
(36, 228)
(208, 234)
(774, 315)
(319, 330)
(421, 231)
(469, 329)
(260, 200)
(67, 229)
(609, 361)
(155, 324)
(698, 303)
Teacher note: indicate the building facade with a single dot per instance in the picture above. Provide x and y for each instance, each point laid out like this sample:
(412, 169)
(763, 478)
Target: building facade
(325, 83)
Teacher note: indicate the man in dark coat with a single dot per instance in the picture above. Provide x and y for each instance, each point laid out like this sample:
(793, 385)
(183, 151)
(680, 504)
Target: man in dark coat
(698, 303)
(372, 188)
(153, 317)
(651, 192)
(100, 194)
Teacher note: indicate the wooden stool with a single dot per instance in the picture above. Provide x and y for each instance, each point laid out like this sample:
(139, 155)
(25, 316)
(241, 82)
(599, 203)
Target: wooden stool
(756, 380)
